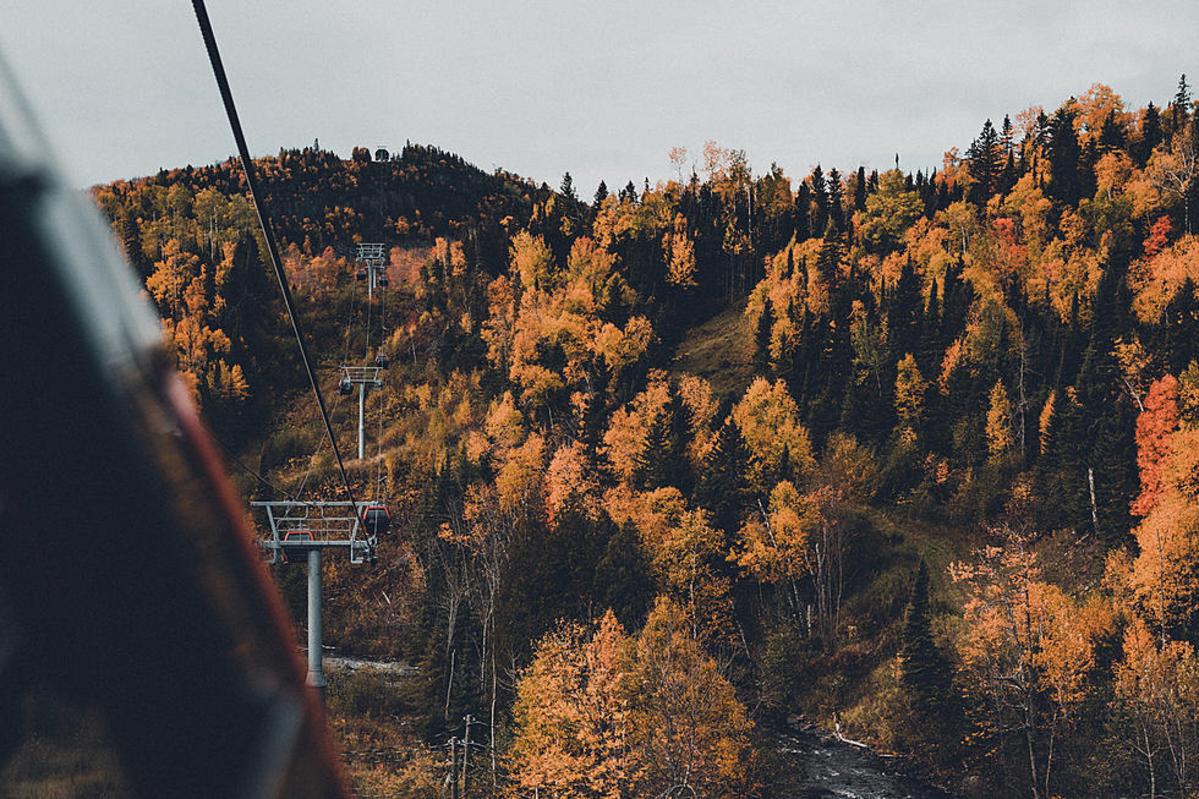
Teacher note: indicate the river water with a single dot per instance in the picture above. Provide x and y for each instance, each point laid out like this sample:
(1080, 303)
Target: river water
(821, 766)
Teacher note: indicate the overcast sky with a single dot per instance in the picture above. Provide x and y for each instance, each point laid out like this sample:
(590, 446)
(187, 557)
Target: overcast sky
(600, 89)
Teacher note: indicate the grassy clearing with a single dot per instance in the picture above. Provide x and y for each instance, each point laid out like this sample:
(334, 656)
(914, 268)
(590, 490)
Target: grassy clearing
(720, 350)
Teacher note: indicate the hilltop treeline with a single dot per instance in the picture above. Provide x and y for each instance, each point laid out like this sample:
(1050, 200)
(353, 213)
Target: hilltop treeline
(935, 483)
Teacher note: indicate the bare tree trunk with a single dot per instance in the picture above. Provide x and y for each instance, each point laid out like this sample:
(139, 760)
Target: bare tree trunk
(491, 720)
(1049, 761)
(1029, 739)
(1149, 762)
(1094, 504)
(449, 684)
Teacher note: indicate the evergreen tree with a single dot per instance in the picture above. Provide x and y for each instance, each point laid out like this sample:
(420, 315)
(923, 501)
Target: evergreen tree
(836, 200)
(1111, 135)
(663, 460)
(927, 678)
(722, 486)
(1180, 328)
(762, 335)
(601, 193)
(1007, 135)
(925, 672)
(1151, 135)
(1008, 176)
(1180, 109)
(928, 354)
(859, 190)
(803, 212)
(567, 189)
(820, 210)
(1086, 169)
(1064, 157)
(985, 159)
(904, 311)
(623, 580)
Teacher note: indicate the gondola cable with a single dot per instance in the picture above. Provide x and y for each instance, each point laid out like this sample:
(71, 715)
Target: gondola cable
(218, 70)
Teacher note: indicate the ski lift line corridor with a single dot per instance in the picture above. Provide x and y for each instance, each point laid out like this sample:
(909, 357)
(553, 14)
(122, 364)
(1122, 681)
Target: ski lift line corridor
(298, 528)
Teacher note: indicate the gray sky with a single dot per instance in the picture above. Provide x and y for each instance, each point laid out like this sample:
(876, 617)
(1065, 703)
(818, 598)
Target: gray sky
(602, 89)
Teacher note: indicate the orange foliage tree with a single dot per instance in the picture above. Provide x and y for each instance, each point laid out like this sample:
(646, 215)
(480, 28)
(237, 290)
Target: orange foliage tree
(612, 716)
(1028, 649)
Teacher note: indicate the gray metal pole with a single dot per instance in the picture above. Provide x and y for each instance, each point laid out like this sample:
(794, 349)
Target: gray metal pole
(316, 668)
(361, 421)
(454, 768)
(466, 759)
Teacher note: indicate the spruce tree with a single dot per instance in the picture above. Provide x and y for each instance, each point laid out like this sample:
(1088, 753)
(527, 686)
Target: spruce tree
(925, 673)
(836, 200)
(928, 354)
(1064, 157)
(803, 212)
(1180, 109)
(1151, 135)
(623, 580)
(1180, 328)
(567, 189)
(905, 310)
(663, 459)
(859, 190)
(819, 188)
(985, 158)
(762, 334)
(1111, 135)
(601, 193)
(722, 486)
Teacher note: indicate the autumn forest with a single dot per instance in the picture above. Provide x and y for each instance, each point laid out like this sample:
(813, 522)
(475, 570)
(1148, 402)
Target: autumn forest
(676, 468)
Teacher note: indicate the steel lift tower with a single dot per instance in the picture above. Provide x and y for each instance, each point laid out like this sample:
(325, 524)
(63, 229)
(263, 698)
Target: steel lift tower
(372, 258)
(300, 532)
(364, 377)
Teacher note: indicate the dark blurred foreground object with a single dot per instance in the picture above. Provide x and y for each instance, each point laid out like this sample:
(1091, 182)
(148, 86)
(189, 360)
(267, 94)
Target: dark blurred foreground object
(129, 579)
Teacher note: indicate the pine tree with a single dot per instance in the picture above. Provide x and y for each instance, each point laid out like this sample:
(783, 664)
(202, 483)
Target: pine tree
(1180, 328)
(859, 190)
(836, 200)
(985, 158)
(762, 336)
(1007, 135)
(924, 671)
(803, 212)
(1151, 135)
(663, 459)
(601, 193)
(1007, 178)
(722, 486)
(1180, 109)
(623, 580)
(1064, 157)
(820, 210)
(567, 189)
(1111, 135)
(680, 433)
(904, 311)
(928, 355)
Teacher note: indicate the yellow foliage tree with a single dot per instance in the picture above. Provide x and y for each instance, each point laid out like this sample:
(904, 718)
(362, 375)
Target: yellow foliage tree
(1000, 439)
(910, 388)
(1028, 650)
(769, 422)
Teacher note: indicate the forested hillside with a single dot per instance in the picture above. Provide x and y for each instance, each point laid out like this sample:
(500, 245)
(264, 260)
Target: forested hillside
(914, 457)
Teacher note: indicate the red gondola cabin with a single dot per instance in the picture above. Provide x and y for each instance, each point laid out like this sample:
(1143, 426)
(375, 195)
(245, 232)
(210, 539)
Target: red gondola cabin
(301, 552)
(376, 519)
